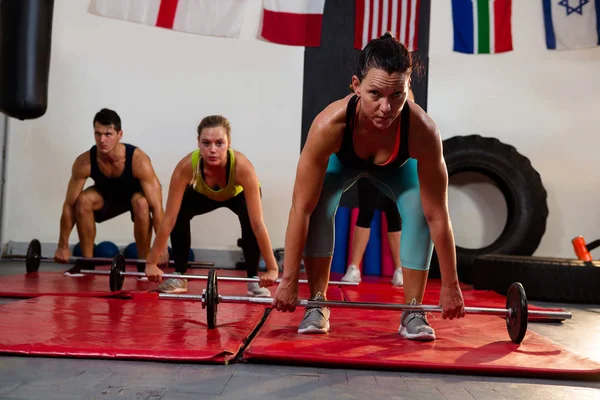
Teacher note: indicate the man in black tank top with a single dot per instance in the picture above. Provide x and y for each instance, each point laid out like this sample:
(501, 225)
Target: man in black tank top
(124, 180)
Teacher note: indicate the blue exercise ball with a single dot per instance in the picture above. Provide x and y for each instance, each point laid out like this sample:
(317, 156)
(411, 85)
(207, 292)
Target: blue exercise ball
(106, 249)
(130, 251)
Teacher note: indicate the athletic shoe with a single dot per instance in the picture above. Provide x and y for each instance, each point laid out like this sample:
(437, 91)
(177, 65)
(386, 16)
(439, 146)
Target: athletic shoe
(414, 325)
(141, 267)
(316, 319)
(254, 290)
(173, 285)
(75, 271)
(352, 274)
(398, 279)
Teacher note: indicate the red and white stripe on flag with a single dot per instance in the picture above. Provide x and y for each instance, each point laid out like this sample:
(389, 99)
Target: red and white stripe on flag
(293, 22)
(374, 18)
(222, 18)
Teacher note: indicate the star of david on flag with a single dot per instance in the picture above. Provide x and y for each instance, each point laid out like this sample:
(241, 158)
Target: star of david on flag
(571, 24)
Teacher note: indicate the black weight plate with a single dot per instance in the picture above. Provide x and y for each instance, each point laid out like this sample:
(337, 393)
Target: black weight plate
(516, 301)
(33, 256)
(212, 299)
(116, 278)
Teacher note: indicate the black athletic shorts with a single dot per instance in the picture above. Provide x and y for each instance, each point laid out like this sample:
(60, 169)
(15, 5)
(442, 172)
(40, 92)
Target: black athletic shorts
(370, 198)
(114, 205)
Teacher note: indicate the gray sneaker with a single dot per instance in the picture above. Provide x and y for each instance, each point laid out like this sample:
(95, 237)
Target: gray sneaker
(414, 325)
(254, 290)
(173, 285)
(316, 319)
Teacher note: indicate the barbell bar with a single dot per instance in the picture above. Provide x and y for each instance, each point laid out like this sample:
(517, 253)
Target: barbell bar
(33, 258)
(117, 274)
(516, 312)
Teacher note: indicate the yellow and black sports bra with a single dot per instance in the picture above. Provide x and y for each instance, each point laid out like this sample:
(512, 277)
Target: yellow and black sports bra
(230, 190)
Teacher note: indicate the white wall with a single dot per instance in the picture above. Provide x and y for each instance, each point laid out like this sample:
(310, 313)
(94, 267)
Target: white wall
(162, 83)
(543, 102)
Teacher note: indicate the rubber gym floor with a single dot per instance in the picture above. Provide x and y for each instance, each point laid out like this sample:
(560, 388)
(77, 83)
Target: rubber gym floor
(29, 377)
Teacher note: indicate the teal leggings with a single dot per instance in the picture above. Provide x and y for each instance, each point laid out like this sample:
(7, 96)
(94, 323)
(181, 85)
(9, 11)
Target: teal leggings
(401, 185)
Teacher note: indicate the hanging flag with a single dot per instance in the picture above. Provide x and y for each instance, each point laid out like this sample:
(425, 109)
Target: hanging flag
(571, 24)
(482, 26)
(222, 18)
(293, 22)
(400, 18)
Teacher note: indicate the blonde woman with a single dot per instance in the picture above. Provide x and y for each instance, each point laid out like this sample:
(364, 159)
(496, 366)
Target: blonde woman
(211, 177)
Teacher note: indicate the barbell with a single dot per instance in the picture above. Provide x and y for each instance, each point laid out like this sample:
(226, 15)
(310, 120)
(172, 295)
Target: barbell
(33, 258)
(117, 275)
(516, 312)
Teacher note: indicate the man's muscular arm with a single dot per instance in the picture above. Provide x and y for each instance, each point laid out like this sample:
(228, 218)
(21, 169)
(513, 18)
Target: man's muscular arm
(80, 171)
(144, 171)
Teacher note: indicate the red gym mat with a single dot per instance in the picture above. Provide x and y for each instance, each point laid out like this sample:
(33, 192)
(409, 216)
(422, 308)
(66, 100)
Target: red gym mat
(56, 284)
(127, 329)
(368, 339)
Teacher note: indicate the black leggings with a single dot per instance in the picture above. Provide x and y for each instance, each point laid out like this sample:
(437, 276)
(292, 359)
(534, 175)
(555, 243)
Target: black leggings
(369, 198)
(194, 203)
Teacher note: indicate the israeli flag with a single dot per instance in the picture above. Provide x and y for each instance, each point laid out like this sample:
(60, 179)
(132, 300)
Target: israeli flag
(571, 24)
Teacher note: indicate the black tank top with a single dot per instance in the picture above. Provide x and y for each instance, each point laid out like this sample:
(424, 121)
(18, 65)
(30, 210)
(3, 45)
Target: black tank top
(348, 157)
(125, 184)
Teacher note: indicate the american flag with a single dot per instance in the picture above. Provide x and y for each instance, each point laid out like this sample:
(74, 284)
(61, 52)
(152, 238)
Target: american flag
(398, 17)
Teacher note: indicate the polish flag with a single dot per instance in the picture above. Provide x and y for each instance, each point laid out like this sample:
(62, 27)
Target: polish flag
(293, 22)
(374, 18)
(222, 18)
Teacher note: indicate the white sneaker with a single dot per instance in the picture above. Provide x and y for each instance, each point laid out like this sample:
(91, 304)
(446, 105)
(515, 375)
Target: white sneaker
(398, 279)
(352, 274)
(254, 290)
(73, 275)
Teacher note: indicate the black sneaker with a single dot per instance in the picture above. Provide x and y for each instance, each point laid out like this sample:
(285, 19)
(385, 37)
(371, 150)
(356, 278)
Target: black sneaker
(75, 271)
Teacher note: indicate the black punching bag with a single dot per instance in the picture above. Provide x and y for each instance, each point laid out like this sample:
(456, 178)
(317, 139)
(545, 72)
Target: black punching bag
(25, 42)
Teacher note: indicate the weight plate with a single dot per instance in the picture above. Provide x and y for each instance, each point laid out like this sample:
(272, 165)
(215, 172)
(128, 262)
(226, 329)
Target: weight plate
(116, 278)
(33, 256)
(212, 299)
(516, 323)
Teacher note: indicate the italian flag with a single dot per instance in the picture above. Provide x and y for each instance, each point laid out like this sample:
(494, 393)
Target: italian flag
(482, 26)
